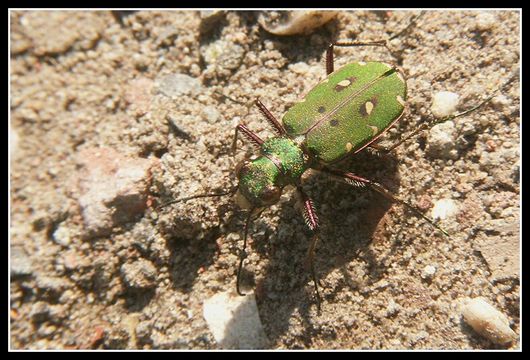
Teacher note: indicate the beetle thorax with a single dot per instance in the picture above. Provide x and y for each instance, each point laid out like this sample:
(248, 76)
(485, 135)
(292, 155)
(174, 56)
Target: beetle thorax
(261, 181)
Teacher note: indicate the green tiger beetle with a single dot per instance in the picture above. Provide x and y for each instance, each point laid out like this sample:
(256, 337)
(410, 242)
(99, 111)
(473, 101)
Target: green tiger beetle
(342, 115)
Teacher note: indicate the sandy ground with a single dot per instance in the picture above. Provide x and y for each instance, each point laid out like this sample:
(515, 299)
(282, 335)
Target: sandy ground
(102, 130)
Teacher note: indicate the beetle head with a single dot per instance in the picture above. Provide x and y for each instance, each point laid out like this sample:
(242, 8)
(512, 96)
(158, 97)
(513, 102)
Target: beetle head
(256, 186)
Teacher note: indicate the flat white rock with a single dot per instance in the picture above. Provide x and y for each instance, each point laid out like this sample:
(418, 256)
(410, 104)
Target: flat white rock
(444, 208)
(488, 321)
(234, 321)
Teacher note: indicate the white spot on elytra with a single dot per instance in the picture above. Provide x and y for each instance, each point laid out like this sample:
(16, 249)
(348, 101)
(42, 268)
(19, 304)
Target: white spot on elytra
(362, 63)
(400, 100)
(299, 139)
(344, 83)
(369, 106)
(374, 129)
(349, 146)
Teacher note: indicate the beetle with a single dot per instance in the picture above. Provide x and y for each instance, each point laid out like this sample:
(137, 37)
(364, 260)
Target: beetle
(341, 116)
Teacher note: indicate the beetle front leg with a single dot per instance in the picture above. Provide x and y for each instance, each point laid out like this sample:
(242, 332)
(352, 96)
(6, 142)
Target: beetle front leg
(356, 180)
(254, 139)
(311, 220)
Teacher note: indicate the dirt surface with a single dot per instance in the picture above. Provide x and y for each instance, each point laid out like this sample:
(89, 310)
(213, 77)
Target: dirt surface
(113, 113)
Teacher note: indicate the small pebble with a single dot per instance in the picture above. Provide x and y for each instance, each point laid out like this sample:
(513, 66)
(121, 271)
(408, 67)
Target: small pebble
(294, 22)
(39, 311)
(428, 272)
(444, 208)
(441, 141)
(444, 104)
(392, 308)
(62, 235)
(485, 21)
(211, 114)
(20, 262)
(488, 321)
(223, 54)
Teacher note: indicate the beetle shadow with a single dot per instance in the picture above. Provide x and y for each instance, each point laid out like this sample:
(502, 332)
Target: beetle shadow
(188, 256)
(351, 219)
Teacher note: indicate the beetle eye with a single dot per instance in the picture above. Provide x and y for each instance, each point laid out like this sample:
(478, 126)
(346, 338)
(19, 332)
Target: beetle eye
(242, 168)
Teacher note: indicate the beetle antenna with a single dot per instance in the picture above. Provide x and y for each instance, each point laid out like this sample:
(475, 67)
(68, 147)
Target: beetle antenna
(220, 93)
(230, 192)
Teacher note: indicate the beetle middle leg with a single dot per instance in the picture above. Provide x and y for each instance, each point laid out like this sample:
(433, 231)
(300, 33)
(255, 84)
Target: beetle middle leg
(355, 180)
(311, 220)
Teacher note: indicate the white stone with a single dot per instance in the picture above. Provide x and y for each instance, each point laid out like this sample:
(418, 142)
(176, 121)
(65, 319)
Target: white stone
(444, 208)
(444, 103)
(485, 20)
(295, 22)
(428, 272)
(488, 321)
(441, 141)
(62, 235)
(234, 321)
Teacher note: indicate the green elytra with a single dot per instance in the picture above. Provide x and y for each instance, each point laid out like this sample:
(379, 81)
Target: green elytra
(341, 115)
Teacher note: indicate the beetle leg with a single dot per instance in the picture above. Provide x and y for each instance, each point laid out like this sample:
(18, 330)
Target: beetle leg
(432, 122)
(309, 212)
(280, 130)
(329, 53)
(243, 253)
(356, 180)
(330, 62)
(255, 139)
(311, 220)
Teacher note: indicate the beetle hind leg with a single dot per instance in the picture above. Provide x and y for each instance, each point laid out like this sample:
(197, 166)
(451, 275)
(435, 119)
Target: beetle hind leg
(356, 180)
(329, 53)
(330, 61)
